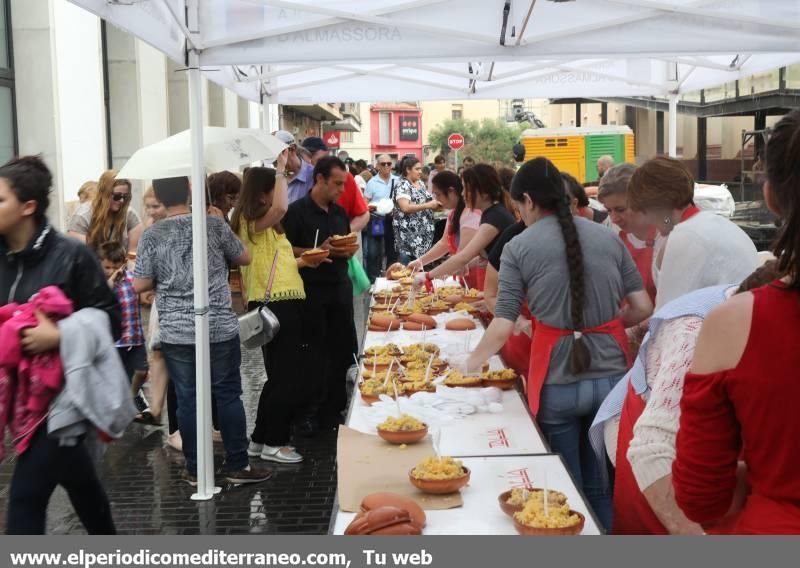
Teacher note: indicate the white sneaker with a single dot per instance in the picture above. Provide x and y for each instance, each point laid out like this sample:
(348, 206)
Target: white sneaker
(254, 450)
(216, 436)
(285, 454)
(175, 441)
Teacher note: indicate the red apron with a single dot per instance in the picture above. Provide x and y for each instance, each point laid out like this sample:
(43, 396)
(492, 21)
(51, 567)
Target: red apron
(476, 276)
(516, 351)
(544, 340)
(632, 512)
(643, 257)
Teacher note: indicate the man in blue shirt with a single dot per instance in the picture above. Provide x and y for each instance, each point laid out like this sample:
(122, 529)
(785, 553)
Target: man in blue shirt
(379, 187)
(301, 176)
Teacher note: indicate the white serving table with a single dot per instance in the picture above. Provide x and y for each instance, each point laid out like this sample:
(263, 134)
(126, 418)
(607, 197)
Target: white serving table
(503, 450)
(490, 476)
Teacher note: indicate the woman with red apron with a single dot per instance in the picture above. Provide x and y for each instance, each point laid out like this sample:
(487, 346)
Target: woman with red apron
(516, 351)
(574, 274)
(639, 235)
(738, 395)
(482, 192)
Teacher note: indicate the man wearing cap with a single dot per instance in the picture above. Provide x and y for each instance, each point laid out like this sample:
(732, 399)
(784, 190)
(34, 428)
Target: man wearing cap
(300, 174)
(352, 199)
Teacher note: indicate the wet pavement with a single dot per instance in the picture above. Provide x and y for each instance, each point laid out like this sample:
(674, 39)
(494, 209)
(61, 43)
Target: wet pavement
(142, 477)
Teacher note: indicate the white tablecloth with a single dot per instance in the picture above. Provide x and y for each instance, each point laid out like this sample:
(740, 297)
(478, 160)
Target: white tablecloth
(490, 476)
(502, 450)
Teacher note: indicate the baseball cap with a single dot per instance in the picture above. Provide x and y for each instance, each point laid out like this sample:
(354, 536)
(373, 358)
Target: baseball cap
(314, 144)
(286, 137)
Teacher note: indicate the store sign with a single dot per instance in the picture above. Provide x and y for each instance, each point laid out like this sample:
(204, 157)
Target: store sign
(409, 127)
(332, 138)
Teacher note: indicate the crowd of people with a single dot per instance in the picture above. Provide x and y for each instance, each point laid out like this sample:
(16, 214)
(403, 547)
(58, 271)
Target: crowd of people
(654, 344)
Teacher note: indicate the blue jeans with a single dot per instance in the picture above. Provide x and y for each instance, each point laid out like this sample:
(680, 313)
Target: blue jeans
(373, 253)
(226, 388)
(565, 414)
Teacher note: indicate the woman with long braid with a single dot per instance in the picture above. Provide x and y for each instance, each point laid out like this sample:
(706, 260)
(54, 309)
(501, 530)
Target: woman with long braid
(579, 347)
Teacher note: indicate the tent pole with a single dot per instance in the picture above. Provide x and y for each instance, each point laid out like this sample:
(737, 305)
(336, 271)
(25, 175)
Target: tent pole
(673, 126)
(205, 456)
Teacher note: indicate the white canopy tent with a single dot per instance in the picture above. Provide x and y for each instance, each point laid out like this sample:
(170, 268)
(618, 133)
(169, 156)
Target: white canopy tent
(310, 51)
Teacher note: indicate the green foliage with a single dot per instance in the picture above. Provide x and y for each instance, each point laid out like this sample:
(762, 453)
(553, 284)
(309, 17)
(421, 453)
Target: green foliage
(487, 141)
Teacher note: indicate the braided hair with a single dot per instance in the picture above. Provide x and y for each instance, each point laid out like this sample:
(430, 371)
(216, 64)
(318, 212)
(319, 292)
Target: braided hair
(542, 182)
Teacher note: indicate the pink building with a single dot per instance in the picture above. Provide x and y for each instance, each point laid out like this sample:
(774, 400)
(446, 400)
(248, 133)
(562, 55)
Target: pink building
(396, 130)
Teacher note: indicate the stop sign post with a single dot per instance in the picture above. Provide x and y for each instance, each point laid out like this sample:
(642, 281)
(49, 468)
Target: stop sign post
(455, 141)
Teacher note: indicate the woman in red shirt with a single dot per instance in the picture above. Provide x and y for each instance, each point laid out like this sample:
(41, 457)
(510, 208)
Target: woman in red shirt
(738, 392)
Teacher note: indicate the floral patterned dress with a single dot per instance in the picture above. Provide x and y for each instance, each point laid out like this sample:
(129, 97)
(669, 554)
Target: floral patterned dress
(413, 232)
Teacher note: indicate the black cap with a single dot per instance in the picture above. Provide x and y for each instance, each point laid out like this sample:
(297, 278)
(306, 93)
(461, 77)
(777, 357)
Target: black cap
(314, 144)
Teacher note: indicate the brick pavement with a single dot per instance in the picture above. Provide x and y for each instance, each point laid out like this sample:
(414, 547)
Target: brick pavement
(143, 479)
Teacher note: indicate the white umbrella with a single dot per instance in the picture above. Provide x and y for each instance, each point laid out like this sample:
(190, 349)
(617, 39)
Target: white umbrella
(223, 149)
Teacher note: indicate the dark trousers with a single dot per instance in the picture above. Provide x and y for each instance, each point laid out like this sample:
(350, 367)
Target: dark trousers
(388, 241)
(375, 253)
(42, 467)
(287, 359)
(172, 409)
(333, 344)
(226, 386)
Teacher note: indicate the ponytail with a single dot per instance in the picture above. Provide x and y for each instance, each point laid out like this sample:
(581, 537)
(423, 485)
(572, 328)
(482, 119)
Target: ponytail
(580, 358)
(542, 182)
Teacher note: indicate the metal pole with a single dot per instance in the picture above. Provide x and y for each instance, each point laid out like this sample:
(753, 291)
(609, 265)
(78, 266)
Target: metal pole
(456, 159)
(205, 453)
(673, 126)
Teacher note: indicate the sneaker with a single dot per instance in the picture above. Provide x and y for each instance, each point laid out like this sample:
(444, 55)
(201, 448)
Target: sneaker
(254, 450)
(175, 441)
(246, 475)
(190, 479)
(141, 403)
(279, 454)
(216, 436)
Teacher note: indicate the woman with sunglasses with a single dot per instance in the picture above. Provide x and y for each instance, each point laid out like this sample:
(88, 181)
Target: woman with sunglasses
(108, 218)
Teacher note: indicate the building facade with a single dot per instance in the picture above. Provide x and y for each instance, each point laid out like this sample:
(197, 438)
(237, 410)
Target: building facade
(396, 130)
(86, 96)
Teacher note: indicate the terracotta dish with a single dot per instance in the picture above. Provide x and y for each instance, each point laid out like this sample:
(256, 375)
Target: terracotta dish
(316, 254)
(378, 500)
(384, 521)
(339, 241)
(563, 531)
(440, 486)
(460, 324)
(403, 437)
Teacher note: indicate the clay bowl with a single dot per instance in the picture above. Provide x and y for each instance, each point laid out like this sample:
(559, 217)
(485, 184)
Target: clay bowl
(403, 437)
(346, 240)
(501, 384)
(349, 249)
(315, 255)
(436, 311)
(576, 529)
(440, 486)
(472, 299)
(370, 398)
(508, 509)
(477, 385)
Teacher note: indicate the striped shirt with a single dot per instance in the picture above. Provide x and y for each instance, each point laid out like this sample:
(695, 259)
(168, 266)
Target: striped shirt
(132, 334)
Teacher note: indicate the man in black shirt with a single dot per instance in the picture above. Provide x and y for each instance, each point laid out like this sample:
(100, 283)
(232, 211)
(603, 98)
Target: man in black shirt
(329, 292)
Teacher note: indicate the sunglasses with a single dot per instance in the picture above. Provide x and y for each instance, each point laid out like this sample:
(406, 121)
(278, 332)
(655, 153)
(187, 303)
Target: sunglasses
(121, 196)
(386, 163)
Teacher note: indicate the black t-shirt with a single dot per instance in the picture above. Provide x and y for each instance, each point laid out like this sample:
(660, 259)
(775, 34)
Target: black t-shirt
(501, 241)
(498, 217)
(301, 223)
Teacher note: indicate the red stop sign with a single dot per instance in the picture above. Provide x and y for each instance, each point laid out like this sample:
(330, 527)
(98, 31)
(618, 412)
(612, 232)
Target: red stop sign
(455, 141)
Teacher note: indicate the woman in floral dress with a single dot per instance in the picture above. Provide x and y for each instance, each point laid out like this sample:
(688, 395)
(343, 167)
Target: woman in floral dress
(413, 213)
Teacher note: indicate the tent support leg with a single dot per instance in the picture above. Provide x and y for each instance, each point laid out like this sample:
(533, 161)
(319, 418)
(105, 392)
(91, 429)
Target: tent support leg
(673, 126)
(205, 455)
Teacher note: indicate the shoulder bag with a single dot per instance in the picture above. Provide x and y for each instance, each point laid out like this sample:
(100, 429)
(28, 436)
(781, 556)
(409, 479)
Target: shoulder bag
(260, 326)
